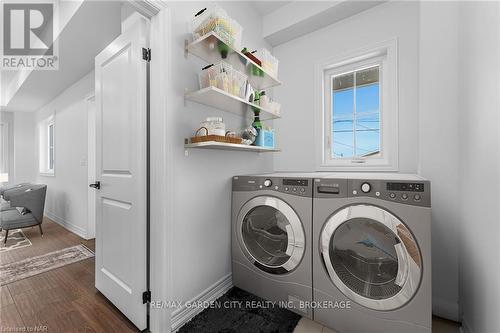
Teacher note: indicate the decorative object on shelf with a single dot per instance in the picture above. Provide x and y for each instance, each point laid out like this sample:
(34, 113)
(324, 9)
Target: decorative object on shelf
(265, 138)
(216, 20)
(205, 47)
(268, 104)
(216, 138)
(249, 135)
(223, 49)
(213, 129)
(257, 124)
(268, 62)
(254, 70)
(250, 55)
(223, 76)
(250, 93)
(219, 99)
(213, 126)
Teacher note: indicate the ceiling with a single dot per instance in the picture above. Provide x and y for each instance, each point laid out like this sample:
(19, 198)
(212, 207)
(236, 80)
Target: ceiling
(90, 30)
(266, 7)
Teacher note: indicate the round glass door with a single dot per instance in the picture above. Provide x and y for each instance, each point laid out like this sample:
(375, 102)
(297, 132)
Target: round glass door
(371, 257)
(271, 235)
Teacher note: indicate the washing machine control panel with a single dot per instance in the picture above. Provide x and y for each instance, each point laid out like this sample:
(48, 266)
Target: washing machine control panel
(294, 186)
(416, 193)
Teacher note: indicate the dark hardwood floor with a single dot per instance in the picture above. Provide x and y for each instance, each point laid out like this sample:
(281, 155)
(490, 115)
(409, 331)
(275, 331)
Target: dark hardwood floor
(63, 299)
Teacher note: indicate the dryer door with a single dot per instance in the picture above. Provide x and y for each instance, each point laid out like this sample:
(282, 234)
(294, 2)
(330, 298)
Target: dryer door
(371, 256)
(271, 234)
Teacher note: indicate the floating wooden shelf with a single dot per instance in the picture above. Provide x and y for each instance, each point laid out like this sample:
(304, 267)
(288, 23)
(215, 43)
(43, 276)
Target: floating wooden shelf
(222, 100)
(228, 146)
(206, 48)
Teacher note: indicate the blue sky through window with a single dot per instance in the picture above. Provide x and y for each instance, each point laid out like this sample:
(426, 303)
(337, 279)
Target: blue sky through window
(367, 115)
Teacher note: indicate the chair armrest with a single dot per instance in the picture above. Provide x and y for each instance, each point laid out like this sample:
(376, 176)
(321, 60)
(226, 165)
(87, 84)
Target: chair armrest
(33, 200)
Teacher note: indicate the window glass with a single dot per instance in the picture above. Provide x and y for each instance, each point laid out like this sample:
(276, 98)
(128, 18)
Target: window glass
(51, 147)
(356, 114)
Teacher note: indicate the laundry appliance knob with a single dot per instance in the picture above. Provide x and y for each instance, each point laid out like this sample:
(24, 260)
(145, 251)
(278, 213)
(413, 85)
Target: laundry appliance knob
(268, 183)
(366, 187)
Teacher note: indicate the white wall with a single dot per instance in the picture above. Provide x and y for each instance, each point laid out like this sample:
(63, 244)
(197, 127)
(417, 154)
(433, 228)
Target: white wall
(8, 119)
(295, 131)
(66, 201)
(479, 165)
(438, 142)
(21, 146)
(201, 182)
(24, 147)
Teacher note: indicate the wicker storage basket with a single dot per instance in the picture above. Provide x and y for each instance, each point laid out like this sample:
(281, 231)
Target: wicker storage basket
(217, 138)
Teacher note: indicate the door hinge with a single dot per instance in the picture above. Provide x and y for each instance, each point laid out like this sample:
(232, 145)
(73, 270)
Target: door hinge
(146, 297)
(146, 54)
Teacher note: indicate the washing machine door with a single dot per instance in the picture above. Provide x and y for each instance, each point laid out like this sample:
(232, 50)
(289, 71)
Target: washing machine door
(371, 256)
(271, 234)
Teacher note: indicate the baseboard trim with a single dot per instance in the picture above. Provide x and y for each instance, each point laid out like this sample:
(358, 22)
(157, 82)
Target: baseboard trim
(465, 328)
(445, 309)
(182, 315)
(65, 224)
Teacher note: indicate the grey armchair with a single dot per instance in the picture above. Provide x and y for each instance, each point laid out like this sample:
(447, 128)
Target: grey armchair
(7, 191)
(33, 200)
(11, 187)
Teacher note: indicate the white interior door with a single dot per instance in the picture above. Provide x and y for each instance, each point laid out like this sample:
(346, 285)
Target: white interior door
(121, 111)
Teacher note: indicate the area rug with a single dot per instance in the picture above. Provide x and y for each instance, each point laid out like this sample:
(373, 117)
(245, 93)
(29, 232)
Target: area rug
(16, 240)
(242, 312)
(35, 265)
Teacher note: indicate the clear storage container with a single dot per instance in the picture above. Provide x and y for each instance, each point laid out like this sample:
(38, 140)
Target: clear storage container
(214, 126)
(223, 76)
(238, 84)
(269, 62)
(209, 75)
(217, 20)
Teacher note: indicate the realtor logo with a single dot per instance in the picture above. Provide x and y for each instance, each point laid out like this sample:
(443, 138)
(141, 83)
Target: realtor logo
(28, 36)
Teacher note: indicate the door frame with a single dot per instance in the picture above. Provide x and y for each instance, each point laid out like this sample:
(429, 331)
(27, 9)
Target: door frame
(160, 168)
(91, 167)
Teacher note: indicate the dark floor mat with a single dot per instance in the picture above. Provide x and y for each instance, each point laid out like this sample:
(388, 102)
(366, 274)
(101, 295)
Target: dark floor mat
(248, 313)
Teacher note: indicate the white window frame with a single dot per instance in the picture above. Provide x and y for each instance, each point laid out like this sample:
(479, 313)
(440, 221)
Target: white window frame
(385, 55)
(44, 146)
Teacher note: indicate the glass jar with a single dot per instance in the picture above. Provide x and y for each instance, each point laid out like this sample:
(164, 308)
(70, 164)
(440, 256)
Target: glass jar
(214, 126)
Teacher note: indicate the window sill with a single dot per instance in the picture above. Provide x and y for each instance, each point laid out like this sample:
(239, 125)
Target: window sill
(47, 174)
(355, 167)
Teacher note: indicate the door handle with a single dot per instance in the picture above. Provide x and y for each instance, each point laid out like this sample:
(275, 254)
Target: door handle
(96, 185)
(328, 189)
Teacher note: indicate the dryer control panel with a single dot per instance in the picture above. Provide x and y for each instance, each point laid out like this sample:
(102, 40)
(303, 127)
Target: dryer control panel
(294, 186)
(416, 193)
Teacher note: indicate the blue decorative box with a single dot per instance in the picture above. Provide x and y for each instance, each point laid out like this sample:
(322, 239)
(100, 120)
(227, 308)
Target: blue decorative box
(265, 138)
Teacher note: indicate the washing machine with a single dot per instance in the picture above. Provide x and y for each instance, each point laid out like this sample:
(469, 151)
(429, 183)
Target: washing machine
(372, 253)
(271, 239)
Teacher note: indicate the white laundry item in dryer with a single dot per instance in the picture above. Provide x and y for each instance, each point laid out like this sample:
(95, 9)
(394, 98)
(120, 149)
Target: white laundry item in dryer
(372, 252)
(271, 239)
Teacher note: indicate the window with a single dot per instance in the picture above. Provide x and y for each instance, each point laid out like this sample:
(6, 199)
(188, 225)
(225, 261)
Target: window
(358, 113)
(46, 130)
(4, 152)
(50, 145)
